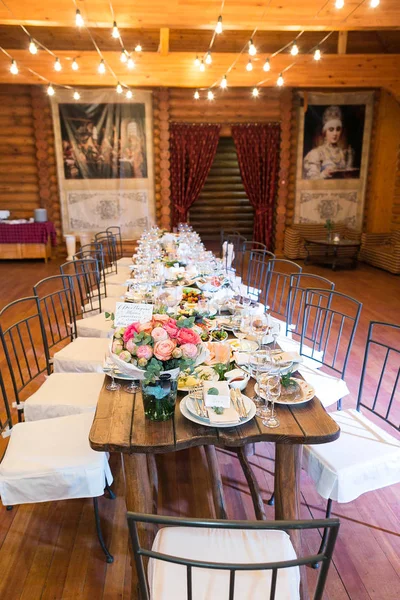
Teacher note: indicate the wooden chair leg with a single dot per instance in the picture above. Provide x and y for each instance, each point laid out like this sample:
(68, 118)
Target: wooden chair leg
(253, 485)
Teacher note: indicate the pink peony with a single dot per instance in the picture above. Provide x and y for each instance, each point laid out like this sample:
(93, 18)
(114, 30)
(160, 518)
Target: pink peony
(147, 327)
(188, 336)
(125, 356)
(171, 328)
(163, 350)
(158, 334)
(144, 352)
(130, 331)
(189, 350)
(131, 346)
(160, 319)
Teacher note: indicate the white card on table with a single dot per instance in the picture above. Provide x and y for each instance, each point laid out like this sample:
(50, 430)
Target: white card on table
(222, 399)
(127, 313)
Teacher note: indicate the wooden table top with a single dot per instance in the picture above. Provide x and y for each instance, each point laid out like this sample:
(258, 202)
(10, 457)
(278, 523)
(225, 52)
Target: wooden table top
(120, 426)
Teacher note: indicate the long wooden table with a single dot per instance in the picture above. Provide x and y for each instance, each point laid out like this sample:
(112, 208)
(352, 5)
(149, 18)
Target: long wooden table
(120, 426)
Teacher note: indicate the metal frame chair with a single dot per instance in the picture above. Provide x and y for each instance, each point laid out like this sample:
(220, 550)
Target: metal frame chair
(236, 239)
(277, 284)
(244, 253)
(85, 278)
(116, 231)
(256, 274)
(299, 283)
(332, 525)
(223, 235)
(109, 243)
(90, 251)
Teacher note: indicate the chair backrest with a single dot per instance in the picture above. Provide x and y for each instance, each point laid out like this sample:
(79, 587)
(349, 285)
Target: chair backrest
(85, 277)
(224, 233)
(330, 321)
(380, 377)
(235, 240)
(109, 244)
(299, 283)
(116, 231)
(255, 275)
(188, 564)
(95, 250)
(24, 344)
(5, 421)
(278, 283)
(56, 307)
(244, 255)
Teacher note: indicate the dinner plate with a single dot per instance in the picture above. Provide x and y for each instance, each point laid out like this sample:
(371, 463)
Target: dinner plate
(119, 375)
(307, 389)
(214, 377)
(192, 416)
(243, 345)
(289, 368)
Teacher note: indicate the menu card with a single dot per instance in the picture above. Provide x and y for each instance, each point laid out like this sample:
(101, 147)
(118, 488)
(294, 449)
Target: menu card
(129, 312)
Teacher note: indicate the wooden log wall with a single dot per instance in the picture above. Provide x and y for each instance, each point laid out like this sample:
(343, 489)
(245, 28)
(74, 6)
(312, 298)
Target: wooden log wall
(396, 196)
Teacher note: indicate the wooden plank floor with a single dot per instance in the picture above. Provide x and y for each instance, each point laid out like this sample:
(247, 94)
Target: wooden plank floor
(50, 551)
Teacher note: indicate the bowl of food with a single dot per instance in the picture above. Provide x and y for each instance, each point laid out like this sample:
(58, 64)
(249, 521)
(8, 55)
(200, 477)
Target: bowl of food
(237, 379)
(219, 335)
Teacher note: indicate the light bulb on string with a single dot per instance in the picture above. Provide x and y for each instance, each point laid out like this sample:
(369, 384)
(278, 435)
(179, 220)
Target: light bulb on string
(224, 82)
(78, 18)
(138, 48)
(115, 32)
(249, 66)
(208, 58)
(294, 50)
(50, 90)
(339, 3)
(252, 48)
(267, 66)
(57, 65)
(196, 95)
(123, 57)
(218, 27)
(280, 81)
(14, 67)
(131, 63)
(102, 67)
(255, 93)
(374, 3)
(202, 66)
(74, 65)
(129, 94)
(32, 47)
(210, 95)
(317, 54)
(119, 88)
(197, 62)
(76, 95)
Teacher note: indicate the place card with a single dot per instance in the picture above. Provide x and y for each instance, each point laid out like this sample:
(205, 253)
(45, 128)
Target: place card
(212, 398)
(127, 313)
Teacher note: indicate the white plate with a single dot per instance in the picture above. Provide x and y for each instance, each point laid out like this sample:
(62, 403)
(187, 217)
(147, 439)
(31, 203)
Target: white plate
(249, 405)
(291, 367)
(119, 375)
(244, 345)
(307, 389)
(214, 377)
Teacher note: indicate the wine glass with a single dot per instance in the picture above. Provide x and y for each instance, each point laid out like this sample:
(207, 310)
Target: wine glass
(113, 386)
(240, 328)
(273, 390)
(260, 362)
(275, 330)
(259, 327)
(132, 387)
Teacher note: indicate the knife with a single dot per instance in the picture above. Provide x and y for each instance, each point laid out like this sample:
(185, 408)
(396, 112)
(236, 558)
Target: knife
(243, 412)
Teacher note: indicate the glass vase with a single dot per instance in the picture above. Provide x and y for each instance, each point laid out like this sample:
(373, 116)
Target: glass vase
(159, 398)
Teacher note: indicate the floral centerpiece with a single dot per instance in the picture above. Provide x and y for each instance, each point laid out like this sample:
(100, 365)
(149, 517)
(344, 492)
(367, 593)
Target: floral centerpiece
(157, 351)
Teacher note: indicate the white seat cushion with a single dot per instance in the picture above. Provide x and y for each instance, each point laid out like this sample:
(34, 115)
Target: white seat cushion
(328, 389)
(96, 326)
(362, 459)
(125, 261)
(50, 460)
(64, 394)
(168, 581)
(116, 291)
(119, 278)
(107, 305)
(289, 345)
(83, 355)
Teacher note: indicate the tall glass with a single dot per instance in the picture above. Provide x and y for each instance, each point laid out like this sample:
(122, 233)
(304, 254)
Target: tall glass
(273, 390)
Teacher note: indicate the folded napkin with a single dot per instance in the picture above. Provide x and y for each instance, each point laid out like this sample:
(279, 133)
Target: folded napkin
(220, 352)
(229, 416)
(285, 357)
(310, 358)
(221, 399)
(328, 389)
(242, 358)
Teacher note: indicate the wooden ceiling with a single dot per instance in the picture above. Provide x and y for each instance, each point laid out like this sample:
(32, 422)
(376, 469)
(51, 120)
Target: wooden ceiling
(362, 51)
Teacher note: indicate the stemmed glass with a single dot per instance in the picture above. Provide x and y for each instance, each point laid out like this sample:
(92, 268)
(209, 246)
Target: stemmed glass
(259, 327)
(275, 330)
(273, 390)
(260, 362)
(240, 328)
(132, 387)
(113, 386)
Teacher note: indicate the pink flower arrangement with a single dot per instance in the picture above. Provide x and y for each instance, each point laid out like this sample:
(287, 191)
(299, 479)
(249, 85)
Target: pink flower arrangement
(188, 336)
(130, 331)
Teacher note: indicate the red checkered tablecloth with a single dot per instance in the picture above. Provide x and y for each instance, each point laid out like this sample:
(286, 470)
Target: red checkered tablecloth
(28, 233)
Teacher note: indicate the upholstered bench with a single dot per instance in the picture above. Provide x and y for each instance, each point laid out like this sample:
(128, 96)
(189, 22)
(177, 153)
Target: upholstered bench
(381, 250)
(296, 234)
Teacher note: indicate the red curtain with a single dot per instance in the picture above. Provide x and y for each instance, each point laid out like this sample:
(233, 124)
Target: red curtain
(193, 147)
(257, 147)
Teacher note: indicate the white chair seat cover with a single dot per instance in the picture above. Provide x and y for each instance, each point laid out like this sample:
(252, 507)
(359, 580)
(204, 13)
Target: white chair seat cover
(168, 581)
(51, 460)
(228, 254)
(125, 261)
(115, 291)
(83, 355)
(289, 345)
(64, 394)
(96, 326)
(328, 389)
(119, 278)
(107, 305)
(362, 459)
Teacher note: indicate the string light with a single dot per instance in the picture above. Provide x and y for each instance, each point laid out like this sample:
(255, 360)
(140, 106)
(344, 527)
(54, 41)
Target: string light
(57, 65)
(138, 48)
(74, 65)
(267, 66)
(280, 80)
(115, 32)
(32, 47)
(374, 3)
(208, 58)
(123, 57)
(339, 3)
(102, 67)
(197, 62)
(224, 82)
(119, 88)
(252, 48)
(50, 90)
(76, 95)
(210, 95)
(255, 92)
(202, 66)
(79, 22)
(129, 94)
(249, 66)
(294, 50)
(317, 54)
(14, 67)
(218, 27)
(131, 63)
(196, 95)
